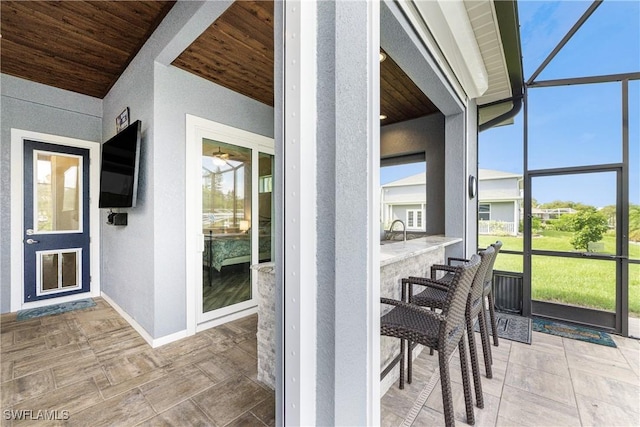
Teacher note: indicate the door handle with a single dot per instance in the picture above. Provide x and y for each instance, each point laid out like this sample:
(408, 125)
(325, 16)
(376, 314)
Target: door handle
(31, 241)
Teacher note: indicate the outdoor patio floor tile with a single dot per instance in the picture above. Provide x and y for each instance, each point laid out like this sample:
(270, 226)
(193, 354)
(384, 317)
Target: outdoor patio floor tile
(129, 408)
(522, 408)
(615, 369)
(229, 399)
(73, 398)
(632, 356)
(544, 361)
(600, 352)
(594, 412)
(538, 382)
(175, 387)
(544, 342)
(186, 413)
(266, 411)
(114, 378)
(603, 388)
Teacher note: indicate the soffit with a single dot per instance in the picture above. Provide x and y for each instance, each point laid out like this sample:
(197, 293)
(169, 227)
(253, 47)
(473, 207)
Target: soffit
(81, 46)
(484, 23)
(236, 52)
(84, 46)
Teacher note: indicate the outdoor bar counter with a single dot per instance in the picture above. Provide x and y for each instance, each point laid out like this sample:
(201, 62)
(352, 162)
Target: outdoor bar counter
(398, 259)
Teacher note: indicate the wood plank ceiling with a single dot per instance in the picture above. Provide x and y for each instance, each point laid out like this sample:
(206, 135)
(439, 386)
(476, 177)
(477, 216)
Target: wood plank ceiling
(81, 46)
(84, 46)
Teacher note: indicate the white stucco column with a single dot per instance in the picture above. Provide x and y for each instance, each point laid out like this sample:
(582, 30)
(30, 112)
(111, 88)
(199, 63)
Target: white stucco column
(357, 163)
(331, 197)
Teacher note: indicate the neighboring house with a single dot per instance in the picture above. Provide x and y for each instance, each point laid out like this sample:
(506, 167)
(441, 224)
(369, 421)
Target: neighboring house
(552, 213)
(499, 198)
(499, 202)
(405, 199)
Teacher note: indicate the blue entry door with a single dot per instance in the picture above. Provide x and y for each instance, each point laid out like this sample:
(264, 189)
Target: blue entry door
(56, 221)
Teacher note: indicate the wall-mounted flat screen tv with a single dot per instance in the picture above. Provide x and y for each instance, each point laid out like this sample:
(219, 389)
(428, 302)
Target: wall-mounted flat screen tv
(119, 170)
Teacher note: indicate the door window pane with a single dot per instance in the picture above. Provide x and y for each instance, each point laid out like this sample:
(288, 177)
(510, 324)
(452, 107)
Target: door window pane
(49, 271)
(69, 269)
(265, 207)
(508, 262)
(57, 192)
(634, 300)
(634, 169)
(578, 282)
(226, 224)
(574, 213)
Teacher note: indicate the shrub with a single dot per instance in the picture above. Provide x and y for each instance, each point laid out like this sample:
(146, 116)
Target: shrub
(589, 226)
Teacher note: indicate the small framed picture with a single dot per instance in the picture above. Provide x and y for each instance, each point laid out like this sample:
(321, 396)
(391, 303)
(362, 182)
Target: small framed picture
(122, 121)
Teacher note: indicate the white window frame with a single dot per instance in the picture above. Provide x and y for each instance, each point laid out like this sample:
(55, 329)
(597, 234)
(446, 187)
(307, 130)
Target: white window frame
(419, 223)
(480, 213)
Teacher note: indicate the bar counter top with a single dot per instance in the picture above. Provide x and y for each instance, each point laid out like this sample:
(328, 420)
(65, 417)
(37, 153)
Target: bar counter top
(394, 251)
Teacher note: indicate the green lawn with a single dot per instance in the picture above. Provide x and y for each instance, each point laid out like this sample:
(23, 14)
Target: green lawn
(574, 281)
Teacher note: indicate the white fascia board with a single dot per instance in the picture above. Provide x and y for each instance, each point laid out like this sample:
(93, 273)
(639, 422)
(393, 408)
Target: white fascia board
(448, 22)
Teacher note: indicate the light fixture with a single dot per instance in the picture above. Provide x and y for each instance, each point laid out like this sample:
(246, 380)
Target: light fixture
(244, 226)
(219, 157)
(220, 154)
(383, 56)
(383, 116)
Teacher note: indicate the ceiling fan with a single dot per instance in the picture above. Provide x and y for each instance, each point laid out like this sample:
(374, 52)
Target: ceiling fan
(221, 155)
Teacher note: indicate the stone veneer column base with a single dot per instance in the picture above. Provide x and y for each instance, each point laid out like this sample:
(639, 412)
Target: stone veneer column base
(266, 323)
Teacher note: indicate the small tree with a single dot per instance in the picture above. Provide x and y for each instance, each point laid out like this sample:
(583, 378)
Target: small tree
(536, 225)
(565, 222)
(589, 226)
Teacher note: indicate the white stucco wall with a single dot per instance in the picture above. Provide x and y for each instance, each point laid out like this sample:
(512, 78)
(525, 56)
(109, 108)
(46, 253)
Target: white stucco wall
(144, 263)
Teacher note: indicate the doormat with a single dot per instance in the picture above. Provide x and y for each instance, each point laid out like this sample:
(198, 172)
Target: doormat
(510, 327)
(574, 332)
(32, 313)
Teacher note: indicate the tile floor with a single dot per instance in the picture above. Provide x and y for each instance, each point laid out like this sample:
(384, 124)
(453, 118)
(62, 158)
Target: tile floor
(92, 364)
(552, 382)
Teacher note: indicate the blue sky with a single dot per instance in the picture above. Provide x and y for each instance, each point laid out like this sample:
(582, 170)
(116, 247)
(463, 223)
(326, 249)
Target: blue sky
(571, 125)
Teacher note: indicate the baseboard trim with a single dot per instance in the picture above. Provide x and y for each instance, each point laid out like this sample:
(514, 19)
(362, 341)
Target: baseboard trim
(225, 319)
(153, 342)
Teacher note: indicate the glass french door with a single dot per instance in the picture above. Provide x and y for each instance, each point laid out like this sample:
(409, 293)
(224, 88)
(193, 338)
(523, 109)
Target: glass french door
(236, 208)
(574, 245)
(56, 221)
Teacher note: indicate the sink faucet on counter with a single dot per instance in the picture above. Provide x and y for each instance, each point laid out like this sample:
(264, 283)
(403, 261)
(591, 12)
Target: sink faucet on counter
(404, 229)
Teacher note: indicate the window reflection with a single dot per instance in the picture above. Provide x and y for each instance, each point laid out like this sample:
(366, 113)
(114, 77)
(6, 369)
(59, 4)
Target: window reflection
(58, 189)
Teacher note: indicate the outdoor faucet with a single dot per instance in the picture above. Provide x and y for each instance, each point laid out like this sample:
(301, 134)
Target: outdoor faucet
(404, 228)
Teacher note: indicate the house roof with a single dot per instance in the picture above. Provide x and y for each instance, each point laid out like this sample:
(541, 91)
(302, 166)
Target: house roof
(421, 178)
(486, 174)
(417, 179)
(497, 195)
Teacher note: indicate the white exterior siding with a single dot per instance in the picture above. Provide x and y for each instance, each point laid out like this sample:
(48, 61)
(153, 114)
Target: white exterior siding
(502, 211)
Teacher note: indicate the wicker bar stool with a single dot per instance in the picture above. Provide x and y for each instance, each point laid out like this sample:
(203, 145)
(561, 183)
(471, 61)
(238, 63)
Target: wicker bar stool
(488, 293)
(434, 296)
(443, 332)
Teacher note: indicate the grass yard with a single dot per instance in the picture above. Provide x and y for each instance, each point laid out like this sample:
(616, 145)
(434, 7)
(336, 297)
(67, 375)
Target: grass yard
(573, 281)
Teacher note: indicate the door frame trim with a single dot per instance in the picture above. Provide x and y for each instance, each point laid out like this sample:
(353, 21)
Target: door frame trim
(196, 127)
(575, 314)
(17, 218)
